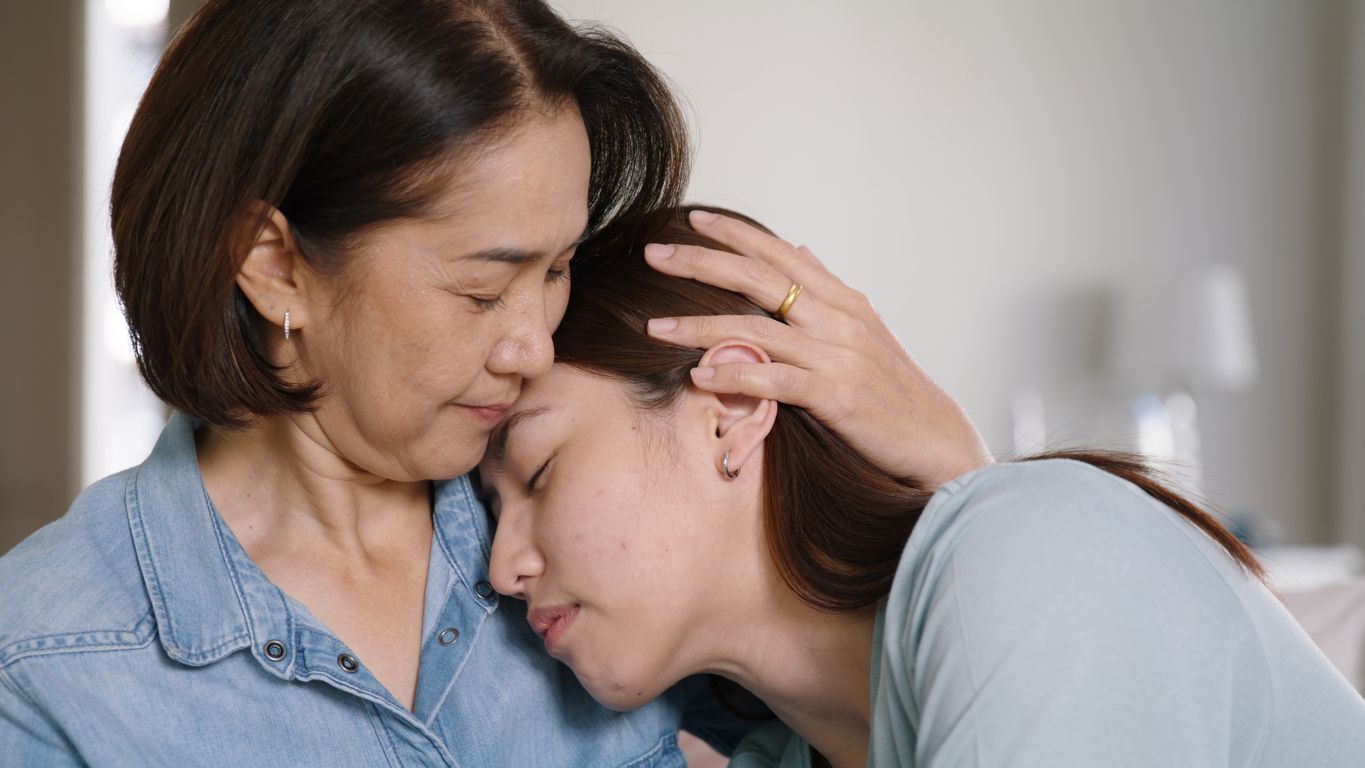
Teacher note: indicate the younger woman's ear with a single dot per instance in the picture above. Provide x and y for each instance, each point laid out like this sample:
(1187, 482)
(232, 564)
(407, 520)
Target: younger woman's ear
(269, 275)
(740, 423)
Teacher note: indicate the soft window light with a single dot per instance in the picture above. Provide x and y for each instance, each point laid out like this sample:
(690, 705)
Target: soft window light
(138, 13)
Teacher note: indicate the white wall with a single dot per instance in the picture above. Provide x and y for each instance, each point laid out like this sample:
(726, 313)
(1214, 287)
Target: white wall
(991, 172)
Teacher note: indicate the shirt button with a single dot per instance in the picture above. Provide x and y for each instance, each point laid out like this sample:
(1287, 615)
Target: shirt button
(483, 589)
(275, 650)
(347, 663)
(448, 636)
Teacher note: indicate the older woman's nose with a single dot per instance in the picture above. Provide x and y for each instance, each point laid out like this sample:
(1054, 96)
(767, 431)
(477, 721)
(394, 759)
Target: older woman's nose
(526, 349)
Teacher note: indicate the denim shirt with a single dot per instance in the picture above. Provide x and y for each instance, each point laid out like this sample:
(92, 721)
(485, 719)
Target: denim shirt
(135, 630)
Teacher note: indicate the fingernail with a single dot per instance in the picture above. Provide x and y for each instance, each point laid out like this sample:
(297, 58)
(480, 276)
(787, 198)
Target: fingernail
(703, 374)
(702, 217)
(662, 324)
(659, 252)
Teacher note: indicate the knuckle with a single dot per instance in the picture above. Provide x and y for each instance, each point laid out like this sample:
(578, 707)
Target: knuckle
(689, 254)
(756, 271)
(763, 329)
(704, 326)
(786, 379)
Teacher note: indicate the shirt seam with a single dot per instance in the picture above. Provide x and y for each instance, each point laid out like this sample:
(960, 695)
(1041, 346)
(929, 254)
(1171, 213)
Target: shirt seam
(85, 650)
(154, 595)
(669, 739)
(381, 732)
(234, 576)
(9, 655)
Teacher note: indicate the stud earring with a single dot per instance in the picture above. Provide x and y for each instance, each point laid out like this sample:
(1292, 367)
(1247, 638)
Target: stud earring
(286, 325)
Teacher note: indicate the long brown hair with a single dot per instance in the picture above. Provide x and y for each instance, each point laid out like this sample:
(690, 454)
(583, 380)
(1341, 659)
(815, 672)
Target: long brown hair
(835, 523)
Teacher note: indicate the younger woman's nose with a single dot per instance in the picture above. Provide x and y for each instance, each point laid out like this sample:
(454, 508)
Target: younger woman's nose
(515, 561)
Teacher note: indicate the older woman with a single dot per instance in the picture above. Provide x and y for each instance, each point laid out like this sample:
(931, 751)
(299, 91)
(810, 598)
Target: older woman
(343, 237)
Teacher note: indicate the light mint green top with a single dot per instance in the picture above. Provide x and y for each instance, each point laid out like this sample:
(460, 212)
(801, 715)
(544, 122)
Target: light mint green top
(1050, 614)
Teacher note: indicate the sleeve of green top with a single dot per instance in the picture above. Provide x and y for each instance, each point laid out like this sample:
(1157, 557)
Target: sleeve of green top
(1062, 617)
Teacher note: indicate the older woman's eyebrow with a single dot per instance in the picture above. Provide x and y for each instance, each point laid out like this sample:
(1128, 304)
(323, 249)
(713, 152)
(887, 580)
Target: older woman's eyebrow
(502, 256)
(515, 255)
(497, 442)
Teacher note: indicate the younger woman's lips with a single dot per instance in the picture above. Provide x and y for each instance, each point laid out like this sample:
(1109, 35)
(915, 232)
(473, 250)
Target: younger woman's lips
(551, 624)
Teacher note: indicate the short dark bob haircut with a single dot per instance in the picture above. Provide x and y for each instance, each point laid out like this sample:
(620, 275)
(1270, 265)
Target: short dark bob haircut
(344, 114)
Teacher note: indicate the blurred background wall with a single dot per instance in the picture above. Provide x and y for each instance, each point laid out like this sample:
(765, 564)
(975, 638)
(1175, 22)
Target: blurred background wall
(40, 238)
(996, 175)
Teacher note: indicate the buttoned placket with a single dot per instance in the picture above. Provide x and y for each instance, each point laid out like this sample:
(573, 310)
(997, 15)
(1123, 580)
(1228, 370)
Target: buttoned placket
(293, 645)
(179, 544)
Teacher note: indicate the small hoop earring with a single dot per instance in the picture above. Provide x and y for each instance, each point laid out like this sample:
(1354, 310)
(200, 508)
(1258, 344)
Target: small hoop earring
(725, 465)
(286, 325)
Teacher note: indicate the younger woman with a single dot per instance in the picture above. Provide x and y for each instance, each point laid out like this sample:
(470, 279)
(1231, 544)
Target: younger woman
(1065, 611)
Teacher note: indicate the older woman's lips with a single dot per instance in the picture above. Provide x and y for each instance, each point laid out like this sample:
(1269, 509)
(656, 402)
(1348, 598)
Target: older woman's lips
(489, 413)
(551, 623)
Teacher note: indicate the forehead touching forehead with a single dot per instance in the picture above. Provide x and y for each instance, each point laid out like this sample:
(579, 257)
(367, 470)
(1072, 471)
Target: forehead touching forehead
(573, 403)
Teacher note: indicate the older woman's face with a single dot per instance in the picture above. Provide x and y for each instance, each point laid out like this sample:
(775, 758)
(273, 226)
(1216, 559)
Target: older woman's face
(427, 335)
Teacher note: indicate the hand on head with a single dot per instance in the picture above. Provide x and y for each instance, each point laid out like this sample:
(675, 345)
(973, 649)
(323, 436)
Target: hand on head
(834, 356)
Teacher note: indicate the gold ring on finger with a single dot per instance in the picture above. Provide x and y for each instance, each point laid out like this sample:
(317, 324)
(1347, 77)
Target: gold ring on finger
(787, 303)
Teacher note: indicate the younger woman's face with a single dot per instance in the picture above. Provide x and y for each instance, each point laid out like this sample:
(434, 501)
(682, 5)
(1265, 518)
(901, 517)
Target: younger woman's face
(615, 528)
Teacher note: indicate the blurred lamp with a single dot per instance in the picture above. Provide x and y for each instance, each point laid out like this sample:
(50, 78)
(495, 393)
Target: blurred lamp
(1178, 334)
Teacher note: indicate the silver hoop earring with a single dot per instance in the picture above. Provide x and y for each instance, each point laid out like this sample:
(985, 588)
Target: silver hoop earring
(725, 465)
(286, 325)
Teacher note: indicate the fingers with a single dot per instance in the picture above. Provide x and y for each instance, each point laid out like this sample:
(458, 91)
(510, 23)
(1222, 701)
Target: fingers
(797, 264)
(769, 381)
(780, 341)
(760, 281)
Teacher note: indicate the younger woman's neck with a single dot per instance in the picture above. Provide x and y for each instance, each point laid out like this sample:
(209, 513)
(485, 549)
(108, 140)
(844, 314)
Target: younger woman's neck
(813, 669)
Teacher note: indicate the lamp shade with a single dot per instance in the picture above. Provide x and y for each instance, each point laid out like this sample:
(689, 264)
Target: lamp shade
(1187, 327)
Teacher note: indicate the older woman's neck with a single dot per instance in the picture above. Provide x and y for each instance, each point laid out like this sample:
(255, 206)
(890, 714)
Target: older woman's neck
(277, 479)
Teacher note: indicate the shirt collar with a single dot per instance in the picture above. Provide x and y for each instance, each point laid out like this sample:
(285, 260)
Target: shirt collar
(197, 602)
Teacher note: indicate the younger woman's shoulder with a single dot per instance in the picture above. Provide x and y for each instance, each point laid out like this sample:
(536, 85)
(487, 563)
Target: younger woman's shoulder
(1051, 504)
(1064, 536)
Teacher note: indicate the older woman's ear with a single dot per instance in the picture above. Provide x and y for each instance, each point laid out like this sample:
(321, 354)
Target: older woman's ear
(270, 272)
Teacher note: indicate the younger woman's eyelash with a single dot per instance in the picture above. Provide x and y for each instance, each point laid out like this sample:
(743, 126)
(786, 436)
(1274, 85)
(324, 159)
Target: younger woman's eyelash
(558, 275)
(531, 484)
